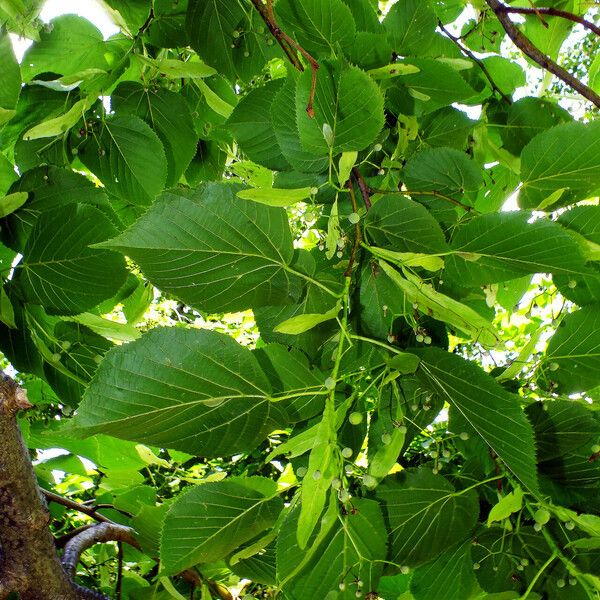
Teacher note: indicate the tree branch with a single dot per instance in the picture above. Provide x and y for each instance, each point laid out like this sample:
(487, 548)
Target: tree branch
(552, 12)
(357, 231)
(289, 46)
(524, 44)
(476, 60)
(90, 511)
(103, 532)
(362, 186)
(30, 563)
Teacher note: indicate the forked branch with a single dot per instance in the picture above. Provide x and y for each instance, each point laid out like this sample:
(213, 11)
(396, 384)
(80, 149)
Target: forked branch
(524, 44)
(290, 47)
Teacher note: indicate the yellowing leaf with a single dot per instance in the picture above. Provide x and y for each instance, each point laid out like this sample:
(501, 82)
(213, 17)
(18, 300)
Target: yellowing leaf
(275, 196)
(393, 70)
(60, 124)
(430, 262)
(12, 202)
(442, 307)
(511, 503)
(301, 323)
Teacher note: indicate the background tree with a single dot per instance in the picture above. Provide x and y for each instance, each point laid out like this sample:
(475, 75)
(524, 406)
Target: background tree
(260, 289)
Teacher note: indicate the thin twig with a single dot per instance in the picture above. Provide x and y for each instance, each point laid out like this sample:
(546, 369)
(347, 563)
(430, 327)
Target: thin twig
(357, 231)
(68, 503)
(363, 187)
(434, 194)
(526, 46)
(119, 586)
(476, 60)
(289, 46)
(552, 12)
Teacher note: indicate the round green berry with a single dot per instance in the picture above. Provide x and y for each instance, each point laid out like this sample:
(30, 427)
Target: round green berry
(355, 418)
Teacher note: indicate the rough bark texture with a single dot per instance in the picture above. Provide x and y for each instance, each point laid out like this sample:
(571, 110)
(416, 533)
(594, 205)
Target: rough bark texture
(29, 564)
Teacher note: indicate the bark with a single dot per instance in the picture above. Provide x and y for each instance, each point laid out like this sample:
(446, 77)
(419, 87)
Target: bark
(29, 565)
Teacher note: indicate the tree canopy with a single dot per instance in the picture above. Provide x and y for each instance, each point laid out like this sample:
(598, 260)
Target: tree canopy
(306, 294)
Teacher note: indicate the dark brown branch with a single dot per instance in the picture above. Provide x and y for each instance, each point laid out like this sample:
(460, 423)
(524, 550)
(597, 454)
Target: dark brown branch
(476, 60)
(524, 44)
(119, 586)
(552, 12)
(363, 187)
(290, 47)
(103, 532)
(30, 565)
(357, 231)
(68, 503)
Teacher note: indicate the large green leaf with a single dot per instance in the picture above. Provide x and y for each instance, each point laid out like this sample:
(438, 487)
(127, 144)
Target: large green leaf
(252, 127)
(70, 44)
(193, 390)
(492, 411)
(344, 120)
(447, 126)
(188, 237)
(342, 552)
(403, 225)
(211, 520)
(58, 258)
(211, 25)
(425, 515)
(502, 246)
(410, 25)
(283, 115)
(318, 26)
(572, 362)
(49, 188)
(449, 577)
(567, 158)
(10, 79)
(128, 158)
(168, 115)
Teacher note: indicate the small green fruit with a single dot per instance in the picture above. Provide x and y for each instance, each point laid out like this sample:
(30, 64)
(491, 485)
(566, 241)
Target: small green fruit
(355, 418)
(541, 516)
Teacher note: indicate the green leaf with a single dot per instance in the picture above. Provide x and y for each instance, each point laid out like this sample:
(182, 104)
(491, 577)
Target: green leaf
(409, 259)
(443, 170)
(410, 25)
(7, 312)
(345, 550)
(392, 70)
(12, 202)
(526, 118)
(283, 115)
(502, 246)
(188, 236)
(493, 412)
(318, 27)
(179, 69)
(435, 84)
(400, 224)
(347, 161)
(168, 115)
(252, 126)
(566, 156)
(111, 330)
(129, 159)
(193, 390)
(572, 361)
(49, 188)
(425, 515)
(442, 307)
(322, 468)
(68, 45)
(561, 426)
(506, 506)
(584, 222)
(449, 577)
(214, 101)
(276, 196)
(10, 79)
(302, 323)
(220, 18)
(353, 119)
(59, 125)
(211, 520)
(446, 127)
(300, 387)
(506, 74)
(58, 257)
